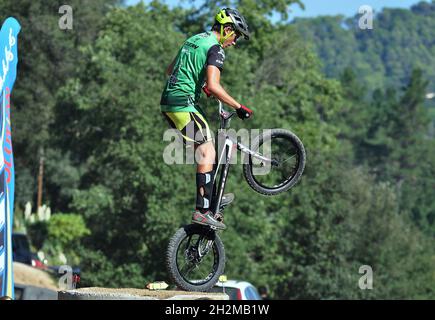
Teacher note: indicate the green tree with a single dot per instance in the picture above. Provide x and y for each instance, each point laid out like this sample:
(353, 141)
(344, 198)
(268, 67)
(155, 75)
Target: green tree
(47, 58)
(61, 234)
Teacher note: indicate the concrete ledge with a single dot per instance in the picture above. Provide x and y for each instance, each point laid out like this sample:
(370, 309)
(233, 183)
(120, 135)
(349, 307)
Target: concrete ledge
(136, 294)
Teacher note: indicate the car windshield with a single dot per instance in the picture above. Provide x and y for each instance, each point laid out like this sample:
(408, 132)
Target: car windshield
(231, 292)
(19, 242)
(252, 293)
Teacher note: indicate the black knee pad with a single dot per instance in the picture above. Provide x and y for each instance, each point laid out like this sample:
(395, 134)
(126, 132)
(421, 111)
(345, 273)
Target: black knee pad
(205, 181)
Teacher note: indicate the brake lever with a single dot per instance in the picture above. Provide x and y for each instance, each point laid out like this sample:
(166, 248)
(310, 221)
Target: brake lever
(226, 115)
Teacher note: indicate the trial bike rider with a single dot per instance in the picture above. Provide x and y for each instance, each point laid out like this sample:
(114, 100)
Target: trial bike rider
(198, 62)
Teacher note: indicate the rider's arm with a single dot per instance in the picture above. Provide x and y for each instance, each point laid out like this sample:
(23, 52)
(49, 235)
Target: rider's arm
(214, 86)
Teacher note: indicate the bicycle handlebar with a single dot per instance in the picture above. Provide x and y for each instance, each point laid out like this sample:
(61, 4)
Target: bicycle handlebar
(224, 113)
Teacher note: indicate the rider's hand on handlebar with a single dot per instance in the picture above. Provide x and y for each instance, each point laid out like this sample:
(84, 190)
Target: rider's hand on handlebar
(244, 112)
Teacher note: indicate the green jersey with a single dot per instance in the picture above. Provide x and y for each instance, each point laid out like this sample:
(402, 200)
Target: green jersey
(183, 88)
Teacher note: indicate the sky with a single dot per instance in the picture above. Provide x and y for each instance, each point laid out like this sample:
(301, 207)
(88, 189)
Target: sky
(323, 7)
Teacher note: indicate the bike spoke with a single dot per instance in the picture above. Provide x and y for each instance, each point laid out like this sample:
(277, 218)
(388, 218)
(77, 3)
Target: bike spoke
(197, 264)
(187, 268)
(287, 158)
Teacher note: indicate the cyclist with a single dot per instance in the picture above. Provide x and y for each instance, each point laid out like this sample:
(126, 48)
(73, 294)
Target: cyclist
(197, 66)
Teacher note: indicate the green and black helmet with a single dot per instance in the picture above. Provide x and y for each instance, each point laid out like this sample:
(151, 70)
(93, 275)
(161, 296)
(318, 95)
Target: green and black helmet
(233, 17)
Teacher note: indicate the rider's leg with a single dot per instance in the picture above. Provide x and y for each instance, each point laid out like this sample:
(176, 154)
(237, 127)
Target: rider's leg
(193, 127)
(205, 176)
(205, 154)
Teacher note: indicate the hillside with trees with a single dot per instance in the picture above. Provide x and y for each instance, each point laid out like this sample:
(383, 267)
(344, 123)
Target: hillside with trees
(382, 57)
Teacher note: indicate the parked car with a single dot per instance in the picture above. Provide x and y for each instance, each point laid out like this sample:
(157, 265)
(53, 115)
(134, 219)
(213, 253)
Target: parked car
(237, 290)
(21, 248)
(22, 253)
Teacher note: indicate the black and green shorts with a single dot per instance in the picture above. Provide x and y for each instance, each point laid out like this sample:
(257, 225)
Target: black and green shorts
(192, 126)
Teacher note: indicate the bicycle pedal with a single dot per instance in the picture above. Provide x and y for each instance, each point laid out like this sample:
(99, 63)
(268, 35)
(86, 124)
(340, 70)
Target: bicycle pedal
(219, 217)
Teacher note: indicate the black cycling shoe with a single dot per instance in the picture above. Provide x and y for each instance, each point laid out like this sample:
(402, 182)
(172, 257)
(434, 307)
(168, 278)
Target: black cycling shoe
(227, 199)
(207, 219)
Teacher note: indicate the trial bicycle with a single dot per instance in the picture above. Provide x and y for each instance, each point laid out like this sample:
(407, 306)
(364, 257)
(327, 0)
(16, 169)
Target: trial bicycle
(195, 257)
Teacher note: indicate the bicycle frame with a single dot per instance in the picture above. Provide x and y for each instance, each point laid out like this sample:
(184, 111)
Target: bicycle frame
(225, 154)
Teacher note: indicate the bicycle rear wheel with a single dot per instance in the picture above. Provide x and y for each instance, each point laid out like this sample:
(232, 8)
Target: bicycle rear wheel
(288, 162)
(195, 258)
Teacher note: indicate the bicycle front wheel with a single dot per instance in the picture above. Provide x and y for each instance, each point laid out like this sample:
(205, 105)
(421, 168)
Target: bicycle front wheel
(288, 162)
(195, 258)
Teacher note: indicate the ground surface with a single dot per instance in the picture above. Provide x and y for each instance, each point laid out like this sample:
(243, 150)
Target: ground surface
(27, 275)
(132, 293)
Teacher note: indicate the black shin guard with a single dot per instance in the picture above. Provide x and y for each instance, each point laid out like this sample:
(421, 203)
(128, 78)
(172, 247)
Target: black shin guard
(204, 181)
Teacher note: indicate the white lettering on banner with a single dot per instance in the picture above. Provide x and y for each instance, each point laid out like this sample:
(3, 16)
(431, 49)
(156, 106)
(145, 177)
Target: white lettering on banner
(2, 262)
(12, 40)
(9, 56)
(2, 217)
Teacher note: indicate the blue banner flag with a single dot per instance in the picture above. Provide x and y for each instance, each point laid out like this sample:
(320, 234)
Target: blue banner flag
(8, 72)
